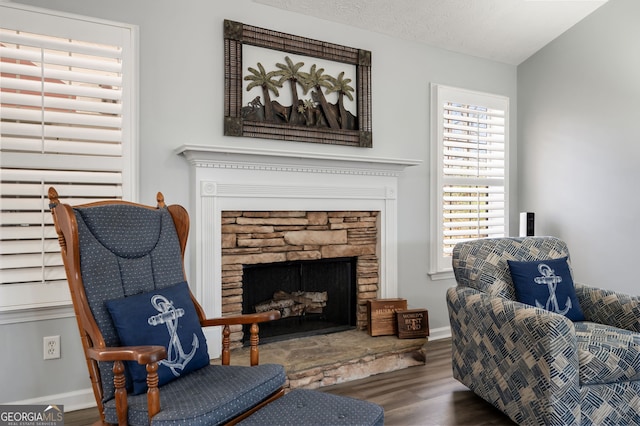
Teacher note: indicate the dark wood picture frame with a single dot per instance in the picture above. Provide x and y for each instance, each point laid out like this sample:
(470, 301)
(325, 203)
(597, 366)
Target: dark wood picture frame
(236, 34)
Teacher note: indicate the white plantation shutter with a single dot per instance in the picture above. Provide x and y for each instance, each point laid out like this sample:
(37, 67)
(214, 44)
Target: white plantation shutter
(66, 121)
(469, 186)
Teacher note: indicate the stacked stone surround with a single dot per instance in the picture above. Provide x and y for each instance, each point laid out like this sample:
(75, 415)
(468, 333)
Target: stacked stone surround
(255, 237)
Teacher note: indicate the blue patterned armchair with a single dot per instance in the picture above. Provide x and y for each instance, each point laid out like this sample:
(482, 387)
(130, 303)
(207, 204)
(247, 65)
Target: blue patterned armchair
(537, 366)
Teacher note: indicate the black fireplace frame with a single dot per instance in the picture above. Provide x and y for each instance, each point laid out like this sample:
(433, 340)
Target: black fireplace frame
(303, 275)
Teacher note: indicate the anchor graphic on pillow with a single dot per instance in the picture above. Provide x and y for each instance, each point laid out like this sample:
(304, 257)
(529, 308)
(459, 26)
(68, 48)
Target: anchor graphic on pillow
(549, 278)
(177, 359)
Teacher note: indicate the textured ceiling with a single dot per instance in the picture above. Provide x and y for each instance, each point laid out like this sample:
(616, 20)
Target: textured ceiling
(506, 31)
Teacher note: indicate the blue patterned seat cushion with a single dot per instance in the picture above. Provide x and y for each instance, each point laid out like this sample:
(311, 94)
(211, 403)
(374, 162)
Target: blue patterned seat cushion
(303, 407)
(193, 400)
(607, 354)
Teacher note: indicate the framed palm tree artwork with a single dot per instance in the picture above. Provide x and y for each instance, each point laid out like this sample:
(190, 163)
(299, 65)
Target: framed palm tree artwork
(286, 87)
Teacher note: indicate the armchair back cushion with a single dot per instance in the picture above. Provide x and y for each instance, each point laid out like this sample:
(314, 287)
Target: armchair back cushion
(124, 250)
(484, 266)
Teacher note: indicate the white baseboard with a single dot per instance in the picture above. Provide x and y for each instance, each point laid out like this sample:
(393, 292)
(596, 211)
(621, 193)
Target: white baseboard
(439, 333)
(72, 401)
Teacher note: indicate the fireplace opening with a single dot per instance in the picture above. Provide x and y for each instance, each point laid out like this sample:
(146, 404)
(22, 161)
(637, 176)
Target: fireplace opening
(313, 297)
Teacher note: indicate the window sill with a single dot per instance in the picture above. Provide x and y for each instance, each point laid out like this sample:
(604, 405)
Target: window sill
(34, 302)
(441, 275)
(36, 314)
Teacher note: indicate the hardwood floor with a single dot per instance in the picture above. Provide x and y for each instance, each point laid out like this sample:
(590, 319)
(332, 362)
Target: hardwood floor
(417, 396)
(424, 395)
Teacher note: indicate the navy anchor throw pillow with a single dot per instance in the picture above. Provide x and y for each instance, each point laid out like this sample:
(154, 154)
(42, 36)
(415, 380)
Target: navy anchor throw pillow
(164, 317)
(546, 284)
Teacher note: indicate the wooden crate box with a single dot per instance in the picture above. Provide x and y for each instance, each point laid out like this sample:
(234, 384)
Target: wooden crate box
(382, 316)
(413, 323)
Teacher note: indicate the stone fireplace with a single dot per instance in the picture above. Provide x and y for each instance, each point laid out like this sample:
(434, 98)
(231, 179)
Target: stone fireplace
(293, 242)
(253, 206)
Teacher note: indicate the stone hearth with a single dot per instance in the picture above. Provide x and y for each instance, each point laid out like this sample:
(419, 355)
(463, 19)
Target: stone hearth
(313, 362)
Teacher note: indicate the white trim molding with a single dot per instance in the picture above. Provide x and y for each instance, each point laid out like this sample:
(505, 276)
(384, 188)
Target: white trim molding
(230, 178)
(439, 333)
(36, 314)
(72, 401)
(279, 160)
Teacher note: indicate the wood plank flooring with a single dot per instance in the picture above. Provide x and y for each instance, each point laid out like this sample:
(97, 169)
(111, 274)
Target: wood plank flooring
(417, 396)
(424, 395)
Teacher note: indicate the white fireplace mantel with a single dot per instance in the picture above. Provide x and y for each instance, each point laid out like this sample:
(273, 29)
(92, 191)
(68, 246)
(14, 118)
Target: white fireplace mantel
(233, 178)
(260, 158)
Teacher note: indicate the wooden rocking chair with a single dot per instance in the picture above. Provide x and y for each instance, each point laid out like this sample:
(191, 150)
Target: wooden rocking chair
(120, 255)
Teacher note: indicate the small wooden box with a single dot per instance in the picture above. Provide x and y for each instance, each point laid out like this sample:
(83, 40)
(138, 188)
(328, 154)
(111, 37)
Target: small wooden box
(382, 316)
(413, 323)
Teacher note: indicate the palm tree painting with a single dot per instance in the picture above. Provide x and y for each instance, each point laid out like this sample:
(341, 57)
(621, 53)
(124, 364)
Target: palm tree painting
(341, 85)
(265, 80)
(291, 72)
(316, 79)
(315, 111)
(287, 87)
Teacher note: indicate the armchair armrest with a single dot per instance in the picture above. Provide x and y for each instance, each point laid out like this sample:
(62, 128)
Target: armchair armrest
(147, 355)
(609, 307)
(253, 319)
(140, 354)
(520, 358)
(242, 319)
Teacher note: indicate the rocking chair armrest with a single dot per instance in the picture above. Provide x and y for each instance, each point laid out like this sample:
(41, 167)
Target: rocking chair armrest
(140, 354)
(242, 319)
(253, 319)
(146, 355)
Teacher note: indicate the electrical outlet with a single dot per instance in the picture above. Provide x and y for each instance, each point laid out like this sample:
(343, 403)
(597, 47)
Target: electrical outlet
(51, 347)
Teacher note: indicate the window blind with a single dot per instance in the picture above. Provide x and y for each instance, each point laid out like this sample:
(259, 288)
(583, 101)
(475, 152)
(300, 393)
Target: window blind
(471, 169)
(64, 113)
(473, 173)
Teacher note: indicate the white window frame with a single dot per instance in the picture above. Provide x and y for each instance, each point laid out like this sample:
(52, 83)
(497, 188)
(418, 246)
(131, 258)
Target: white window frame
(51, 299)
(440, 262)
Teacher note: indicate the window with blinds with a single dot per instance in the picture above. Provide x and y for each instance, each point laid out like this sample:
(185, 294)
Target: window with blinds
(469, 188)
(66, 121)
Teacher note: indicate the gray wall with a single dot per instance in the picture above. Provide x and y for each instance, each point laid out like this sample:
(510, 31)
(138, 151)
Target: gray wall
(579, 149)
(181, 102)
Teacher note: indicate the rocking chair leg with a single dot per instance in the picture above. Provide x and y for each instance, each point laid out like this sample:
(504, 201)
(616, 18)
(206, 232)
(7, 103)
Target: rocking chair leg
(153, 393)
(254, 344)
(121, 393)
(226, 345)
